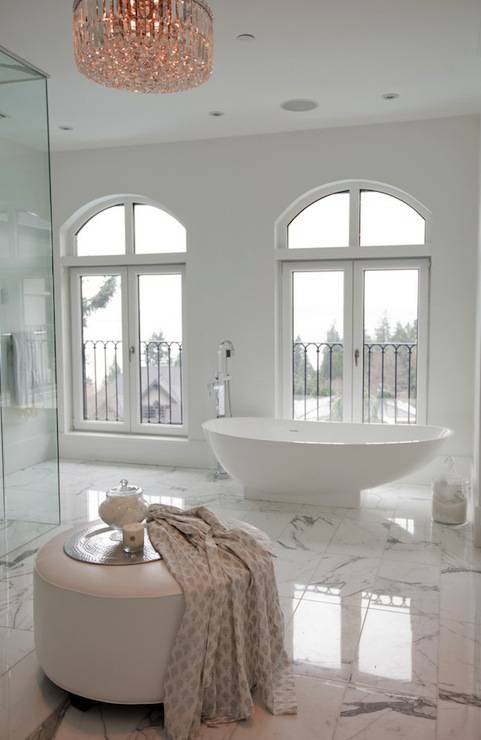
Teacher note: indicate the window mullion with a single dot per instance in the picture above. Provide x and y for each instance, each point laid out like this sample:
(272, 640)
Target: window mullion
(354, 217)
(134, 347)
(129, 227)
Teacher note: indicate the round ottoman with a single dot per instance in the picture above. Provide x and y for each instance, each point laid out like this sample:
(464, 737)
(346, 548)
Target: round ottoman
(104, 632)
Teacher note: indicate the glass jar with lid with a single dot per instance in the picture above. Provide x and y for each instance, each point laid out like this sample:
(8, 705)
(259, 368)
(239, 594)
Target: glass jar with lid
(123, 504)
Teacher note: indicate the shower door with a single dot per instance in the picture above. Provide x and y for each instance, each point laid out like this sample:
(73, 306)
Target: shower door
(28, 410)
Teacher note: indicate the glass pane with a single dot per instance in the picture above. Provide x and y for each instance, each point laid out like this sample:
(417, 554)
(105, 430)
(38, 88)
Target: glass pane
(317, 352)
(390, 346)
(103, 234)
(325, 223)
(386, 221)
(28, 428)
(103, 376)
(160, 320)
(157, 231)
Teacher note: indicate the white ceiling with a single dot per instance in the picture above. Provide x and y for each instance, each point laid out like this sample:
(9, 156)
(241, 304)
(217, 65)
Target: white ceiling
(342, 53)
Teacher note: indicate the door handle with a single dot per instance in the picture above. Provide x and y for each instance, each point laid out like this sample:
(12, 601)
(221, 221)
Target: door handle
(131, 352)
(356, 357)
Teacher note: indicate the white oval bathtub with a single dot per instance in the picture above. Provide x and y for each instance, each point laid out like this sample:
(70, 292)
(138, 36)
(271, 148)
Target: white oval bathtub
(319, 462)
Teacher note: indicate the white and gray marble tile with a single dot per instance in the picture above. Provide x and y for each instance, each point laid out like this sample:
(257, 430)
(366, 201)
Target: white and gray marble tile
(14, 645)
(322, 638)
(398, 651)
(294, 570)
(352, 577)
(319, 703)
(361, 532)
(14, 534)
(460, 590)
(412, 539)
(460, 657)
(27, 699)
(407, 585)
(107, 721)
(310, 530)
(371, 715)
(459, 717)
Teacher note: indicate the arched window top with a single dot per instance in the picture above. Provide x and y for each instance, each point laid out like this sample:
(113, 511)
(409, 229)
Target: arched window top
(387, 220)
(357, 215)
(129, 227)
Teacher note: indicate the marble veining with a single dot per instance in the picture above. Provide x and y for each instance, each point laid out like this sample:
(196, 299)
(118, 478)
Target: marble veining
(382, 615)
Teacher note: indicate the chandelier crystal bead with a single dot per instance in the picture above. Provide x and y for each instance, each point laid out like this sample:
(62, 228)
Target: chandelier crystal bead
(149, 46)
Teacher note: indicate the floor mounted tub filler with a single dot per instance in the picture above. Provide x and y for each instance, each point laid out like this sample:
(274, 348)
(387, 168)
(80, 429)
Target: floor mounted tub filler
(319, 462)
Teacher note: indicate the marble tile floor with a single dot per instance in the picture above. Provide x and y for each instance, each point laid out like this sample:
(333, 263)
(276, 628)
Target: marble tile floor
(382, 608)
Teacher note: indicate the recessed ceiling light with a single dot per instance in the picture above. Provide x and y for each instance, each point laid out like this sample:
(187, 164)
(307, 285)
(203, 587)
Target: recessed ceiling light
(299, 105)
(66, 128)
(390, 96)
(216, 113)
(247, 37)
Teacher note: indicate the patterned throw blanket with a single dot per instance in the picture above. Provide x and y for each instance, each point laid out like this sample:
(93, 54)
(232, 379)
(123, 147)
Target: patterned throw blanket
(231, 637)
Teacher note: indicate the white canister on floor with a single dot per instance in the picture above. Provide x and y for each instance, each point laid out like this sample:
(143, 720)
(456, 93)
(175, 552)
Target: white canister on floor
(450, 500)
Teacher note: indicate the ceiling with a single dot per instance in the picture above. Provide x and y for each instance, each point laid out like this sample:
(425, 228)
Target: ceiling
(343, 53)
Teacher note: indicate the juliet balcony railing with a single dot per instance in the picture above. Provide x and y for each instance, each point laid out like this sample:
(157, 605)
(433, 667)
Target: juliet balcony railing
(160, 390)
(389, 381)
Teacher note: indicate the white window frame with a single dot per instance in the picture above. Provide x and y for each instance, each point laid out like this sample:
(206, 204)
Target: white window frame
(359, 258)
(128, 266)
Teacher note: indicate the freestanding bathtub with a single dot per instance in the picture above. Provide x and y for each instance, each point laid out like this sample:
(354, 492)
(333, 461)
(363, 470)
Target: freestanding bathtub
(319, 462)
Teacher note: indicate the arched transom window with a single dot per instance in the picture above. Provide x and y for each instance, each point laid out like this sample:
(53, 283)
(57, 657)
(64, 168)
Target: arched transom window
(130, 228)
(356, 217)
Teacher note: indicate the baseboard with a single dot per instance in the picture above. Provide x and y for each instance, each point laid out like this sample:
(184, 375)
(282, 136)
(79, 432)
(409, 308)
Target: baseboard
(141, 450)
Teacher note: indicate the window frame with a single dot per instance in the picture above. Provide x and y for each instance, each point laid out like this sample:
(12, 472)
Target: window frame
(288, 260)
(127, 265)
(353, 330)
(354, 249)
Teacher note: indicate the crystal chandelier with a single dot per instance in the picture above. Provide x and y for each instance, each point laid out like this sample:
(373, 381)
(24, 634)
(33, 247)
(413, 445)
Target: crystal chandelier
(144, 45)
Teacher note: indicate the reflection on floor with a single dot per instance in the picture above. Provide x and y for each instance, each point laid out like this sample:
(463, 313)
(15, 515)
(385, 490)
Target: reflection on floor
(382, 607)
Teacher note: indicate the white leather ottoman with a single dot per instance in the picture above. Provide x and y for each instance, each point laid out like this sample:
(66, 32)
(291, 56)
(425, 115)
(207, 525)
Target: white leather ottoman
(104, 632)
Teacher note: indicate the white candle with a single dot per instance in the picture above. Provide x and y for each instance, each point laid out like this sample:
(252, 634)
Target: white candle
(133, 537)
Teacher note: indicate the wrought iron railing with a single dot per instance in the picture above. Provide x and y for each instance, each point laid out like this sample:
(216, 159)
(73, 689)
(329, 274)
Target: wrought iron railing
(391, 368)
(160, 381)
(389, 381)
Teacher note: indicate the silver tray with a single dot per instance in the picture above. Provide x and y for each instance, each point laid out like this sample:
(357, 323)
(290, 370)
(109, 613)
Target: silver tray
(95, 545)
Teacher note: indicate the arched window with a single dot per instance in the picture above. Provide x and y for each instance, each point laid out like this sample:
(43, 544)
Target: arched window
(109, 231)
(356, 217)
(355, 287)
(125, 258)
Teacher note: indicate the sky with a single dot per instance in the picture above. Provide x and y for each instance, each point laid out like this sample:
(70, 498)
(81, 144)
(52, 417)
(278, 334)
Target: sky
(160, 308)
(318, 301)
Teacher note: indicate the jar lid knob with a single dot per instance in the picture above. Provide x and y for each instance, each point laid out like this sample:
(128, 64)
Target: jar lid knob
(124, 483)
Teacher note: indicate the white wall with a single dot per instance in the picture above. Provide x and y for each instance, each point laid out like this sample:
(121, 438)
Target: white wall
(229, 193)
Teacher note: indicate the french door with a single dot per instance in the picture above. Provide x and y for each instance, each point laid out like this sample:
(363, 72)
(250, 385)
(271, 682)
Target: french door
(127, 349)
(355, 340)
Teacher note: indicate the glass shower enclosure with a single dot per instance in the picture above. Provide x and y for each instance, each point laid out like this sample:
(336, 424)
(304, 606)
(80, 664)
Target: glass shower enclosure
(29, 487)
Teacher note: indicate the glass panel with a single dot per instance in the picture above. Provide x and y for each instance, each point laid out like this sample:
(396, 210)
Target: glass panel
(317, 352)
(160, 322)
(325, 223)
(386, 221)
(157, 231)
(103, 376)
(103, 234)
(28, 429)
(390, 345)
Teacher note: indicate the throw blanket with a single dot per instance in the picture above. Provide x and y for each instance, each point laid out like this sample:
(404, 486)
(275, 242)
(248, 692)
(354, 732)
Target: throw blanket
(231, 638)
